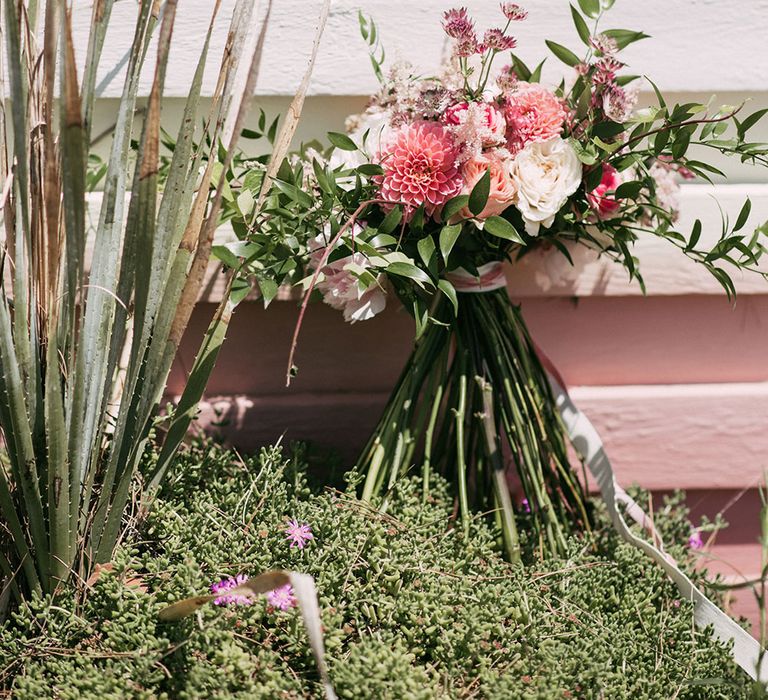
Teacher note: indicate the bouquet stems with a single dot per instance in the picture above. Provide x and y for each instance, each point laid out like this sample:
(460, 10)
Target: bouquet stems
(472, 403)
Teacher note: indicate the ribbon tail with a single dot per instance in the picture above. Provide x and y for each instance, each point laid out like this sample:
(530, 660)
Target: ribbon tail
(587, 443)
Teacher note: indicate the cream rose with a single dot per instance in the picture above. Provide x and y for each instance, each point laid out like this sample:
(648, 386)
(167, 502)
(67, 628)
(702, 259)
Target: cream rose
(546, 174)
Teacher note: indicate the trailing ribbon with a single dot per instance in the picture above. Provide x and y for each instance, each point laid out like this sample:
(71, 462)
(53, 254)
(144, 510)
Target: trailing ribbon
(490, 277)
(587, 443)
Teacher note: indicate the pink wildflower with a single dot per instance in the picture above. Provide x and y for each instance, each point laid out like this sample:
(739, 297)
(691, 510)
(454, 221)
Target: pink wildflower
(419, 167)
(533, 114)
(282, 598)
(457, 24)
(222, 589)
(602, 201)
(526, 506)
(298, 534)
(497, 40)
(695, 541)
(513, 12)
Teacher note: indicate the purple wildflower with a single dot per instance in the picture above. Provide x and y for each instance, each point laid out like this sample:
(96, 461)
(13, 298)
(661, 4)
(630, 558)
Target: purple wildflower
(298, 534)
(526, 506)
(222, 591)
(695, 541)
(282, 598)
(513, 12)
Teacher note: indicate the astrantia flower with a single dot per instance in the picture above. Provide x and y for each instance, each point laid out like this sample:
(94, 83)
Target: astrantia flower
(503, 189)
(546, 174)
(513, 11)
(618, 103)
(695, 541)
(298, 534)
(457, 24)
(608, 67)
(222, 590)
(467, 47)
(506, 80)
(499, 41)
(604, 45)
(533, 114)
(420, 168)
(602, 201)
(282, 598)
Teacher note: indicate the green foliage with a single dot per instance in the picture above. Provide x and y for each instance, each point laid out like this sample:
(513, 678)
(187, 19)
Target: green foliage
(411, 607)
(86, 345)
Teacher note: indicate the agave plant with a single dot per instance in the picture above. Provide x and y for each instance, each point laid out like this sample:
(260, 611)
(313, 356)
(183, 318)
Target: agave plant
(87, 339)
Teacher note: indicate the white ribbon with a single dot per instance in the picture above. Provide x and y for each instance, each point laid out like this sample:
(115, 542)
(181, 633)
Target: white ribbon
(586, 441)
(490, 276)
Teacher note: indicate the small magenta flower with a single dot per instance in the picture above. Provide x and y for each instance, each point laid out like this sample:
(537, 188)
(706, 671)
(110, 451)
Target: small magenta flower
(222, 591)
(457, 24)
(526, 506)
(695, 541)
(513, 12)
(298, 534)
(282, 598)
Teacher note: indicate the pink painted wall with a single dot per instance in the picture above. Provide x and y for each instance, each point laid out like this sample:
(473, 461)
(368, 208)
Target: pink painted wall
(677, 387)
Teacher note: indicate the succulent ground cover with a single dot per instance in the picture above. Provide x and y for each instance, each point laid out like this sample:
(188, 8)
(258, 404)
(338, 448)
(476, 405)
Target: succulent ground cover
(411, 607)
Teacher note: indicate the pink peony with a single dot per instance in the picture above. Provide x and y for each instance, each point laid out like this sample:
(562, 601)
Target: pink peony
(503, 188)
(341, 289)
(419, 163)
(533, 114)
(480, 122)
(601, 200)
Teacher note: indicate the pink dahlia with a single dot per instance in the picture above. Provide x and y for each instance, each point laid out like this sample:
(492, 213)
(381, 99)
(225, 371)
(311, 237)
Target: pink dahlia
(419, 167)
(533, 114)
(602, 201)
(503, 188)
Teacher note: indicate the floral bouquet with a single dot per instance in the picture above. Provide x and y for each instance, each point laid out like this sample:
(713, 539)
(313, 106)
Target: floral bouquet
(441, 180)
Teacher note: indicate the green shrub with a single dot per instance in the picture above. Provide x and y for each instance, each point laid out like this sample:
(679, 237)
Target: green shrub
(410, 608)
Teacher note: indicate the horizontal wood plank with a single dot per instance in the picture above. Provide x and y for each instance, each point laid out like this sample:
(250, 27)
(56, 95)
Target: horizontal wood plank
(661, 437)
(721, 48)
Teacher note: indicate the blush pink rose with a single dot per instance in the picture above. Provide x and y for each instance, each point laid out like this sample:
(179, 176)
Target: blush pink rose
(503, 188)
(533, 114)
(601, 200)
(484, 119)
(419, 162)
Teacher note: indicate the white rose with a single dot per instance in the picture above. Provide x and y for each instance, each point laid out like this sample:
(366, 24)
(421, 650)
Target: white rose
(546, 173)
(373, 124)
